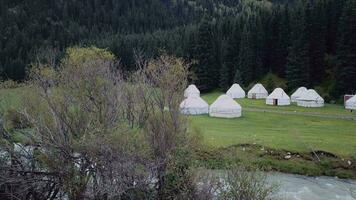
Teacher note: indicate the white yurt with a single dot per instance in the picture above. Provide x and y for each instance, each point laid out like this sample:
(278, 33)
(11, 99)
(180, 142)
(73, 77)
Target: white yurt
(225, 107)
(351, 103)
(191, 91)
(194, 106)
(310, 99)
(257, 92)
(278, 98)
(298, 93)
(236, 92)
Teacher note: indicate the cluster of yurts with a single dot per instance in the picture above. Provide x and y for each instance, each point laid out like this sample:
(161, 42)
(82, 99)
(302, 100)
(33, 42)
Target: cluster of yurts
(225, 106)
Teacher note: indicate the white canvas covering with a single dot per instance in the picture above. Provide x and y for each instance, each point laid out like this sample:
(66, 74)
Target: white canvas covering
(191, 91)
(236, 92)
(194, 106)
(257, 92)
(351, 103)
(225, 107)
(278, 97)
(298, 93)
(310, 99)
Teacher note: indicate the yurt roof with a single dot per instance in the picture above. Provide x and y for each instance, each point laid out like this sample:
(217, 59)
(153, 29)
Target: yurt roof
(194, 102)
(225, 101)
(310, 95)
(352, 100)
(235, 88)
(258, 88)
(299, 92)
(192, 88)
(278, 93)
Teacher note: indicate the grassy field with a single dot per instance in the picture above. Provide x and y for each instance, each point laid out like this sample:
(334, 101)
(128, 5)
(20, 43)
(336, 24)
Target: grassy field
(289, 132)
(12, 98)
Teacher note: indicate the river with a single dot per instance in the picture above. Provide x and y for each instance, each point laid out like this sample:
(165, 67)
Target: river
(297, 187)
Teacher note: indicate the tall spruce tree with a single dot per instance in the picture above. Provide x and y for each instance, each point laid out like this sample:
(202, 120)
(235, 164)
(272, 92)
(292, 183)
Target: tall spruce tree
(346, 51)
(237, 76)
(204, 53)
(297, 71)
(232, 50)
(315, 25)
(224, 80)
(249, 62)
(246, 57)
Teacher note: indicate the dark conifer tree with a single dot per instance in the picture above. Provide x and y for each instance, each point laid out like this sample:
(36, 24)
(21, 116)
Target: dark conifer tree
(232, 50)
(315, 26)
(204, 53)
(224, 77)
(246, 62)
(297, 71)
(249, 61)
(346, 51)
(237, 77)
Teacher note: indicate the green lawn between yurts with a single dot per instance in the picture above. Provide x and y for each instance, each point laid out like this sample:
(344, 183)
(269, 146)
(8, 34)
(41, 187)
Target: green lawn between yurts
(279, 131)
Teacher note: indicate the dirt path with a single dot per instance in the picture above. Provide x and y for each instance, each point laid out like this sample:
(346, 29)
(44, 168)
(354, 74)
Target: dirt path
(329, 116)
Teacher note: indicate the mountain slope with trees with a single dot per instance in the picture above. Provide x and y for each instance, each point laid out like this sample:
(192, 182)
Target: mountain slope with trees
(307, 42)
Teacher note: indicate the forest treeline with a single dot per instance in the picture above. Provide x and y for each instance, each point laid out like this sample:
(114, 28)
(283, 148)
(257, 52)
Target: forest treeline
(305, 42)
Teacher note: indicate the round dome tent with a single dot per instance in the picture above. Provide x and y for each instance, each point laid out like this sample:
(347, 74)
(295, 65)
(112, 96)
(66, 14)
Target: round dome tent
(194, 106)
(351, 103)
(310, 99)
(278, 98)
(257, 92)
(191, 91)
(236, 92)
(298, 93)
(225, 107)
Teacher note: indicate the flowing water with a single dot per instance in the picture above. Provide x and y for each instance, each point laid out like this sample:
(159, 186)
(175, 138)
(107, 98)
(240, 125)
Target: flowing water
(297, 187)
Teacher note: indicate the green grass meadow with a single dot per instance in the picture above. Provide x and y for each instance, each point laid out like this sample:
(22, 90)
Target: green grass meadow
(12, 98)
(278, 131)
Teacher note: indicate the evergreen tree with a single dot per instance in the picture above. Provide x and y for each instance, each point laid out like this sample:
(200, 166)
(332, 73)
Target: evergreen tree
(270, 84)
(315, 26)
(224, 77)
(232, 50)
(237, 77)
(278, 41)
(346, 51)
(284, 41)
(249, 62)
(204, 53)
(297, 71)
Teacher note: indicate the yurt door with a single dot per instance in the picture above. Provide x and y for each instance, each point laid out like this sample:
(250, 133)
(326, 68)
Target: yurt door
(254, 96)
(275, 102)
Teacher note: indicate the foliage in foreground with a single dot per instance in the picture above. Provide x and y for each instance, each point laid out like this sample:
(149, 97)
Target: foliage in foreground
(85, 132)
(236, 182)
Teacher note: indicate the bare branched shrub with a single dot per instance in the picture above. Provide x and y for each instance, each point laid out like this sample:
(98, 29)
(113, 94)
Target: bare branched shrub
(83, 143)
(161, 84)
(238, 183)
(241, 183)
(208, 184)
(86, 132)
